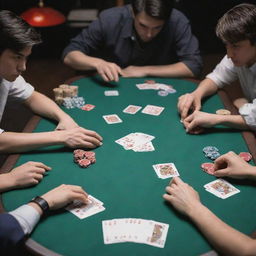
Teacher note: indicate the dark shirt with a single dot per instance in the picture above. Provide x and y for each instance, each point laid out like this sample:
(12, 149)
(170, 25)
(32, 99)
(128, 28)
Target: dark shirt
(112, 38)
(11, 235)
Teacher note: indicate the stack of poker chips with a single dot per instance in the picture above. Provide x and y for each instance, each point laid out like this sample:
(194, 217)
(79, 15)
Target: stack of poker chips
(67, 95)
(211, 152)
(84, 158)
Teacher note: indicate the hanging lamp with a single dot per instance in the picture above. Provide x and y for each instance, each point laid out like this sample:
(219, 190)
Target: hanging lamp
(43, 16)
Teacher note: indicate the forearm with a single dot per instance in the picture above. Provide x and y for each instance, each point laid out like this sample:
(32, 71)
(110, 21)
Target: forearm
(45, 107)
(223, 237)
(206, 88)
(174, 70)
(20, 142)
(233, 121)
(81, 61)
(6, 182)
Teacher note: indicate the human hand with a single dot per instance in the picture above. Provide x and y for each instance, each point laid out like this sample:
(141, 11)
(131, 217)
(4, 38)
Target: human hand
(66, 123)
(28, 174)
(188, 102)
(232, 165)
(108, 71)
(80, 138)
(181, 196)
(199, 119)
(134, 71)
(63, 195)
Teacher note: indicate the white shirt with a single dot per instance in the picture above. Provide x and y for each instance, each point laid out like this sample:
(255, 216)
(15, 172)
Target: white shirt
(27, 216)
(19, 90)
(226, 72)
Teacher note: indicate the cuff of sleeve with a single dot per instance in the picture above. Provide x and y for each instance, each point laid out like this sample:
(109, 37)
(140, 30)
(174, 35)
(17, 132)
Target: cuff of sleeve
(27, 217)
(1, 130)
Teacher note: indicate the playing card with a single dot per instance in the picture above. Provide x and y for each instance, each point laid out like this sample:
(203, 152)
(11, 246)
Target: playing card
(158, 235)
(135, 230)
(88, 107)
(82, 210)
(166, 170)
(147, 86)
(152, 110)
(221, 188)
(144, 147)
(210, 253)
(111, 93)
(112, 119)
(132, 109)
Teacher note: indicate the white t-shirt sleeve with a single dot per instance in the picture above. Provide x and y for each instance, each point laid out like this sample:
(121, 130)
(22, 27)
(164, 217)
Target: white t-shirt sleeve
(27, 217)
(224, 73)
(20, 89)
(248, 112)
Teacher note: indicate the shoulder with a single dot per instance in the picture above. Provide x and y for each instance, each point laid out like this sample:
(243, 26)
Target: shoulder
(115, 15)
(178, 17)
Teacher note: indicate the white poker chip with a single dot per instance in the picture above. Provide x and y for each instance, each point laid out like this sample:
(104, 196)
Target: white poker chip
(162, 93)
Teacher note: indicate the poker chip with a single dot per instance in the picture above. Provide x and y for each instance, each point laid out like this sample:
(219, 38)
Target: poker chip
(211, 152)
(223, 112)
(84, 163)
(84, 158)
(150, 81)
(162, 93)
(208, 168)
(246, 156)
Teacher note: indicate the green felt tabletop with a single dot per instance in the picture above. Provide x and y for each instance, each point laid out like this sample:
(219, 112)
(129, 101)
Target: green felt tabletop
(125, 180)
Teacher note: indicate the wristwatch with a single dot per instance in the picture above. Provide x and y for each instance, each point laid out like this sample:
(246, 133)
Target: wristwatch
(41, 203)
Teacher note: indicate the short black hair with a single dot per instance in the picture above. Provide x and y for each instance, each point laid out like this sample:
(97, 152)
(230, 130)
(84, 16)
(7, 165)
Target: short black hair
(158, 9)
(15, 33)
(238, 24)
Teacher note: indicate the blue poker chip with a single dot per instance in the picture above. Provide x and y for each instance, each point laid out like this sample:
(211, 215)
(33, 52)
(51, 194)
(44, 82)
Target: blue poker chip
(210, 149)
(162, 93)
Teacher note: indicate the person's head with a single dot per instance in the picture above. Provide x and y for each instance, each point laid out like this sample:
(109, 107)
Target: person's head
(16, 41)
(237, 30)
(150, 16)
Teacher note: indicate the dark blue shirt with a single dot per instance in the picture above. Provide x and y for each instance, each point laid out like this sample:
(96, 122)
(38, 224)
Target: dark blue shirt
(112, 38)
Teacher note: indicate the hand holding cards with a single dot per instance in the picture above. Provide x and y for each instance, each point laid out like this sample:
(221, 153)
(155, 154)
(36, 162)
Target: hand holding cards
(82, 211)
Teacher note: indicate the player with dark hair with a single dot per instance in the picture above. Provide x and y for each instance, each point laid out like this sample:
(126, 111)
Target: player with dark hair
(237, 31)
(146, 38)
(17, 40)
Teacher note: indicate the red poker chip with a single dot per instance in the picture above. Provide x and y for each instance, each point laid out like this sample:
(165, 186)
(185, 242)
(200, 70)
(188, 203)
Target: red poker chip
(93, 160)
(84, 163)
(89, 154)
(208, 167)
(246, 156)
(77, 151)
(150, 81)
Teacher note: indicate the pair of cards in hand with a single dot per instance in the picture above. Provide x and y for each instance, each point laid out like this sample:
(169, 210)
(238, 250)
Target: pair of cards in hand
(82, 211)
(221, 188)
(135, 230)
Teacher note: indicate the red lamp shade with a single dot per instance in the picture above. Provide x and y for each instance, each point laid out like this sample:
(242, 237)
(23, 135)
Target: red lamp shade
(43, 17)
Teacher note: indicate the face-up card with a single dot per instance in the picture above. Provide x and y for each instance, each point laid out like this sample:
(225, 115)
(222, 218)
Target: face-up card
(88, 107)
(221, 188)
(112, 119)
(111, 93)
(144, 147)
(147, 86)
(166, 170)
(152, 110)
(135, 230)
(132, 109)
(85, 210)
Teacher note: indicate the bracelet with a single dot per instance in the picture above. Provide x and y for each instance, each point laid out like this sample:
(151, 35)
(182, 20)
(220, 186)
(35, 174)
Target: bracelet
(41, 203)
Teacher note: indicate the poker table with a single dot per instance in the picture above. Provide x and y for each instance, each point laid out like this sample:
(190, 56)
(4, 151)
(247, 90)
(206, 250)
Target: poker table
(125, 180)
